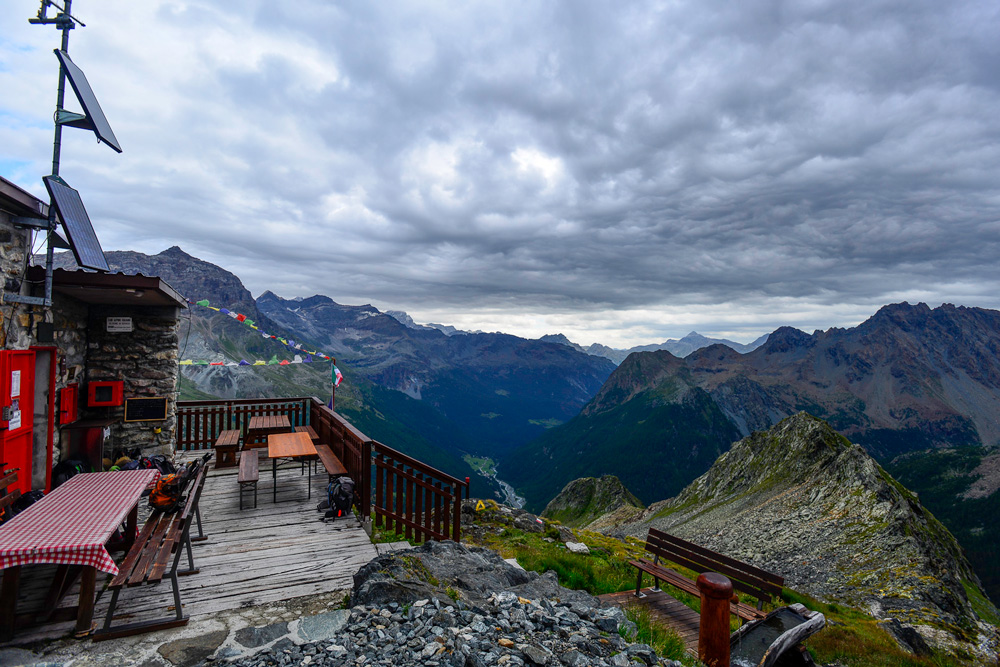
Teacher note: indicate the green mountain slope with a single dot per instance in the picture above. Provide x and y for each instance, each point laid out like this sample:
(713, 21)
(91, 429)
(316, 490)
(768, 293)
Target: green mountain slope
(947, 482)
(653, 444)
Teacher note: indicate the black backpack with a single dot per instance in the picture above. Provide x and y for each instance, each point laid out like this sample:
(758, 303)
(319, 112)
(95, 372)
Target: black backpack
(24, 502)
(160, 462)
(66, 469)
(340, 497)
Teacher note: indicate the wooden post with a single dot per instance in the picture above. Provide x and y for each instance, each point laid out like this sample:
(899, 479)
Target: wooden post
(713, 630)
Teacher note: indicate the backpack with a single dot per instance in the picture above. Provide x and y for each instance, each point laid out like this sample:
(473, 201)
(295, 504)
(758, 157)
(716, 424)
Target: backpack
(24, 502)
(66, 469)
(168, 494)
(159, 462)
(340, 497)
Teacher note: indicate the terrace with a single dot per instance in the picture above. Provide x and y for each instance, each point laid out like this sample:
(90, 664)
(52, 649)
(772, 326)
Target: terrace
(276, 551)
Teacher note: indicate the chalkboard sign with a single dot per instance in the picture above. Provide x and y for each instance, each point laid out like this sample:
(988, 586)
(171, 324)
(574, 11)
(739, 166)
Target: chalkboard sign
(145, 409)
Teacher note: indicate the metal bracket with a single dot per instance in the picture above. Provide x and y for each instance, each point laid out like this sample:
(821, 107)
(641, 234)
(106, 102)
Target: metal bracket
(9, 297)
(73, 119)
(32, 222)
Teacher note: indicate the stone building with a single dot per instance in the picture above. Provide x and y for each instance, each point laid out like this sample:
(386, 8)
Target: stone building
(69, 371)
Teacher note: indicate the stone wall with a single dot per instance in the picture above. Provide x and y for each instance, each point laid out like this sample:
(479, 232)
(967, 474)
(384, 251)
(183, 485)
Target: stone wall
(69, 318)
(13, 245)
(145, 359)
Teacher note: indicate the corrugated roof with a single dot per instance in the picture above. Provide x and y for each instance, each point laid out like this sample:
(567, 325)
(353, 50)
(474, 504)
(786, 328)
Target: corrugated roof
(110, 288)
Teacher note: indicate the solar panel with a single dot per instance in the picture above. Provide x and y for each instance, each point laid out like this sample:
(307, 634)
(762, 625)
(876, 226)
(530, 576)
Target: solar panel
(95, 119)
(86, 247)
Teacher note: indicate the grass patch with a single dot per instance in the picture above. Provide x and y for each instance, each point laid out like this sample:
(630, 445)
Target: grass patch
(593, 574)
(545, 423)
(382, 536)
(855, 639)
(981, 604)
(484, 466)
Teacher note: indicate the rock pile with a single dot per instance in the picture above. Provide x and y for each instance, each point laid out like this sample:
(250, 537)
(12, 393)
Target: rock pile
(406, 613)
(508, 630)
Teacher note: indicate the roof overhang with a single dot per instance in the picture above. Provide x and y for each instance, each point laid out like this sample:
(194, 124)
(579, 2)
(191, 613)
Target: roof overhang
(110, 289)
(21, 202)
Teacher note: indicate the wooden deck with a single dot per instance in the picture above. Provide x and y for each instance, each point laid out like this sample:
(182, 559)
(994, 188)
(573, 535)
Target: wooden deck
(274, 552)
(664, 609)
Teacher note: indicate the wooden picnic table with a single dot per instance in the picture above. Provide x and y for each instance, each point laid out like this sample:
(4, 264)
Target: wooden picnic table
(262, 426)
(289, 446)
(70, 526)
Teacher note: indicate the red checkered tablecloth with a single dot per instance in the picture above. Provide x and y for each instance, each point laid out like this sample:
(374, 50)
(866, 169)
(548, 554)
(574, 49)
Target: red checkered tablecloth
(72, 524)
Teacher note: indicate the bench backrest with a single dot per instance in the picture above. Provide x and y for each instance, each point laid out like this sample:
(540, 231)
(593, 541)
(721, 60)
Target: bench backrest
(195, 494)
(746, 578)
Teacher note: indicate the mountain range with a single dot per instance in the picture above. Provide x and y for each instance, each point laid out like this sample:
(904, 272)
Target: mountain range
(914, 386)
(435, 396)
(677, 347)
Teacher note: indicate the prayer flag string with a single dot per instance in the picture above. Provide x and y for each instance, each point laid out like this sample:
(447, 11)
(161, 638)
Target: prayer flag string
(337, 377)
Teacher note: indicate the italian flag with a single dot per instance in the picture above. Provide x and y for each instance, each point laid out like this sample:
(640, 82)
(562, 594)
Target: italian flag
(337, 377)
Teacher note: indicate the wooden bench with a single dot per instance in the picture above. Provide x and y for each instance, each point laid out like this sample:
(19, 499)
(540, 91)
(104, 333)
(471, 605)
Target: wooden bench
(334, 468)
(746, 578)
(156, 554)
(249, 473)
(306, 428)
(8, 497)
(226, 446)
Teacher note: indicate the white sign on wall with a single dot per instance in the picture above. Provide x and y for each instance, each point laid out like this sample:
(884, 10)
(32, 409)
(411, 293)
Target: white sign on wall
(119, 325)
(15, 384)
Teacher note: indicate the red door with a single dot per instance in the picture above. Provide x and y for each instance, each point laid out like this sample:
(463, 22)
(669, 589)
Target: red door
(17, 395)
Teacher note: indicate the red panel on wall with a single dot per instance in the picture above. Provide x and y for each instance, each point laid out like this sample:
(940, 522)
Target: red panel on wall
(17, 397)
(68, 401)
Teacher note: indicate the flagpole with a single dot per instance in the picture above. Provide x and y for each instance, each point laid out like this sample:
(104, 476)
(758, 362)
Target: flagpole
(333, 386)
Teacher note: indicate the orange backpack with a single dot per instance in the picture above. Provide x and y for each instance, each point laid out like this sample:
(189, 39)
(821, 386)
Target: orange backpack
(169, 490)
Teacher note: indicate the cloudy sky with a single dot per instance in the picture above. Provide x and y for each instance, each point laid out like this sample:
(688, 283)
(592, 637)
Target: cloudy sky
(619, 172)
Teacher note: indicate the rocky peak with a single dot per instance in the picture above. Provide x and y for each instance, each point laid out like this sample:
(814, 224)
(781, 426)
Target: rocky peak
(584, 500)
(175, 252)
(639, 372)
(786, 339)
(900, 315)
(713, 353)
(559, 339)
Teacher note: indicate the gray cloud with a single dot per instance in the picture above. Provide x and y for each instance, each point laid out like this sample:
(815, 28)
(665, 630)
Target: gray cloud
(729, 167)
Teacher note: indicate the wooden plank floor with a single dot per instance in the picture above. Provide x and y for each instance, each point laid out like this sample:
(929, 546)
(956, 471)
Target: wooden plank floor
(274, 552)
(664, 609)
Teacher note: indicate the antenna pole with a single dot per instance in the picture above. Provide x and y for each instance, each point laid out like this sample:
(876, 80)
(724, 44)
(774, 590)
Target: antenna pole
(64, 21)
(65, 26)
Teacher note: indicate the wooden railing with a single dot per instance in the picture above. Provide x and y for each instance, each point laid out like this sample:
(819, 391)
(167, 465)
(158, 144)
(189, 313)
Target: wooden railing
(414, 499)
(200, 422)
(405, 495)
